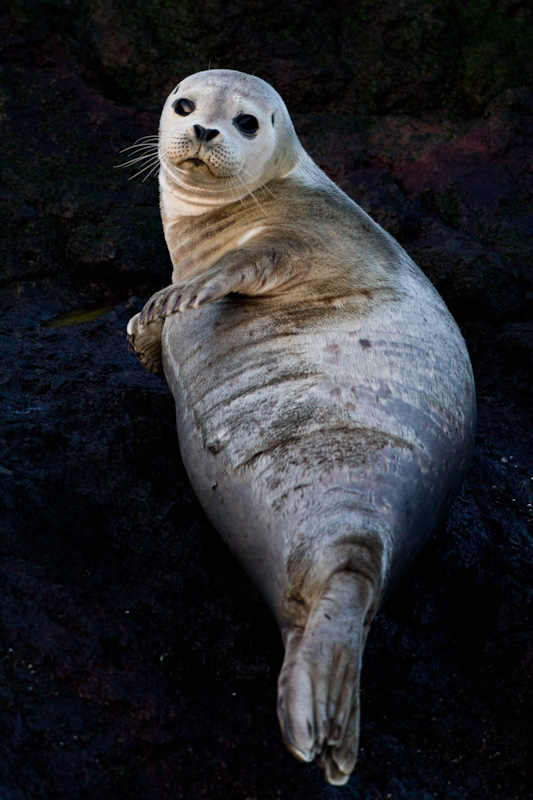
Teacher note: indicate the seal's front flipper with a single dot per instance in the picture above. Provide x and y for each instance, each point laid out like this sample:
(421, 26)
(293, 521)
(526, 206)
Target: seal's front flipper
(318, 689)
(258, 268)
(145, 341)
(191, 292)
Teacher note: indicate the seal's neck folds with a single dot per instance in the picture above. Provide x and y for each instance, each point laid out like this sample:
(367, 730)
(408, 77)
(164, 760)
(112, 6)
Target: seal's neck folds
(177, 200)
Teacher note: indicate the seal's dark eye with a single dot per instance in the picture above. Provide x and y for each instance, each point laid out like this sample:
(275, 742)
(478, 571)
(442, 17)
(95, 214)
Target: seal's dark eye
(183, 107)
(246, 123)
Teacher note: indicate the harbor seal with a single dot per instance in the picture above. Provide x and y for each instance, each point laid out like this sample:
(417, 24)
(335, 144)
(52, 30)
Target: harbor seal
(324, 395)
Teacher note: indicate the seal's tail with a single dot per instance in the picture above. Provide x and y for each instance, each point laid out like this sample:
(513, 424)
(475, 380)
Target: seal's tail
(318, 688)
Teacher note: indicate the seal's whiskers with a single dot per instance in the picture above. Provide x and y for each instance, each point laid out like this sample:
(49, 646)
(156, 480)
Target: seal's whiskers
(146, 150)
(252, 195)
(261, 184)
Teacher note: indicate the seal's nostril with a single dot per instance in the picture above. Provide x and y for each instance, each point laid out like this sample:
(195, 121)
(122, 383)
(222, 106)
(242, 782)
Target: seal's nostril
(205, 134)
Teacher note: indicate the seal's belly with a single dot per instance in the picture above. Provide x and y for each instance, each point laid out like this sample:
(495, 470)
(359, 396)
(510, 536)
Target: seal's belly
(259, 378)
(322, 417)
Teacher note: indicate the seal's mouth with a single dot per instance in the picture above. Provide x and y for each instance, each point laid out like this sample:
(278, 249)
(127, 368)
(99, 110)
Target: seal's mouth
(193, 163)
(196, 169)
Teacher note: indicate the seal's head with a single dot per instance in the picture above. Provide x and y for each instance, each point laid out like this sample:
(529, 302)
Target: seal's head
(222, 135)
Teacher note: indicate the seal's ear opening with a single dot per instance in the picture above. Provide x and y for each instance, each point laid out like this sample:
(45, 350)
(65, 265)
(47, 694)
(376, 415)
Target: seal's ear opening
(273, 117)
(177, 87)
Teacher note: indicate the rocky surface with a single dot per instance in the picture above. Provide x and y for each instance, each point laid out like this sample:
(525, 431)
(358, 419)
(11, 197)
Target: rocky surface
(136, 660)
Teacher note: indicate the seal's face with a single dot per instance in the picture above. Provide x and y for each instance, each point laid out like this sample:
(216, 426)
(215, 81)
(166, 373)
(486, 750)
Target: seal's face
(223, 134)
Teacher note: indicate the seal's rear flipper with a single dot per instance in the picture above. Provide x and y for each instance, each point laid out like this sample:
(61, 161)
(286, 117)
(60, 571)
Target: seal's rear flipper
(145, 341)
(318, 688)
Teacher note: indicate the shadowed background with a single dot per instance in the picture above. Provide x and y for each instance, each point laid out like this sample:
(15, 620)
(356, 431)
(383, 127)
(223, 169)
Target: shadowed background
(137, 662)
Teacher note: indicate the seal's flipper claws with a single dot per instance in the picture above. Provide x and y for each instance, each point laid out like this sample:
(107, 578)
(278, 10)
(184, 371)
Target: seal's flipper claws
(344, 756)
(168, 306)
(295, 702)
(144, 315)
(158, 306)
(334, 775)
